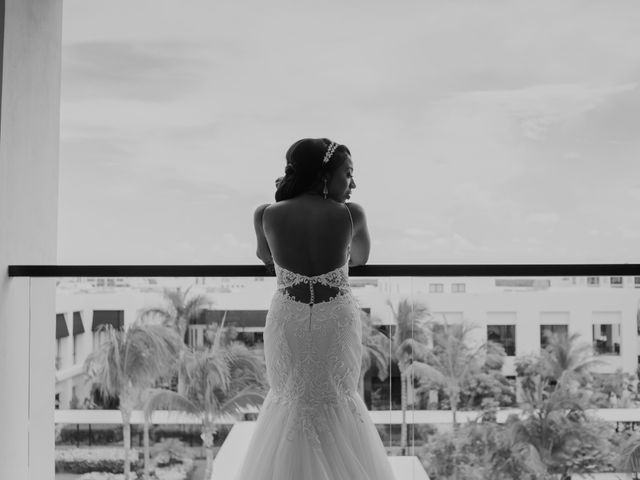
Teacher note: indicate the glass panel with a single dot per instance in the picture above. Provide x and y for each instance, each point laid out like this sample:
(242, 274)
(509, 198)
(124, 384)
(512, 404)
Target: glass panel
(546, 331)
(411, 356)
(504, 335)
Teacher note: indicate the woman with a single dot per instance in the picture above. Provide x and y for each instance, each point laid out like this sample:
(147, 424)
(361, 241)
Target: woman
(313, 425)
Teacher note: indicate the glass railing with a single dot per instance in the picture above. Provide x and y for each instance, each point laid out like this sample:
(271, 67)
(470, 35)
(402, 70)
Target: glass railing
(454, 357)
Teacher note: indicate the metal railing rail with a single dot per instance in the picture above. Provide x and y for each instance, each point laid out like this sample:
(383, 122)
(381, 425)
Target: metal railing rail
(380, 270)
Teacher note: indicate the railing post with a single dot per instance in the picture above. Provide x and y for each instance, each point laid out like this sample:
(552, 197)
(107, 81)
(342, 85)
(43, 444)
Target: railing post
(41, 377)
(30, 37)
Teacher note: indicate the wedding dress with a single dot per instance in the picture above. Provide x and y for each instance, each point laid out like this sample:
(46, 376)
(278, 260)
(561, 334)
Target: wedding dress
(313, 424)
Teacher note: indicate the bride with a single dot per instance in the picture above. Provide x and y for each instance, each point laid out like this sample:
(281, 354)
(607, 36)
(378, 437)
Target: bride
(313, 425)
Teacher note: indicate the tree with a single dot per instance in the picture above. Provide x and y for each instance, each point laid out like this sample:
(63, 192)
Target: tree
(409, 343)
(566, 359)
(180, 310)
(451, 362)
(375, 351)
(127, 363)
(476, 451)
(218, 381)
(454, 361)
(628, 460)
(555, 424)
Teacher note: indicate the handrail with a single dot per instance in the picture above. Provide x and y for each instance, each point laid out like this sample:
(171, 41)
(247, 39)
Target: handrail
(380, 270)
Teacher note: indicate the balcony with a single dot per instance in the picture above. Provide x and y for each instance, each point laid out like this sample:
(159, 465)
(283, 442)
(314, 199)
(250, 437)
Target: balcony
(486, 302)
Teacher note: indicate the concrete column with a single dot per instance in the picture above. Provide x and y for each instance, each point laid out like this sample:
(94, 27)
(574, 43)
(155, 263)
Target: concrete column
(29, 143)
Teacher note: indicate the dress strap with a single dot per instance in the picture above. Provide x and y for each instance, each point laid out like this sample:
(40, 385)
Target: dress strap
(350, 220)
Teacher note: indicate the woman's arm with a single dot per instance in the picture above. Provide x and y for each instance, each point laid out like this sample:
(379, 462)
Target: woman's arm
(361, 242)
(263, 252)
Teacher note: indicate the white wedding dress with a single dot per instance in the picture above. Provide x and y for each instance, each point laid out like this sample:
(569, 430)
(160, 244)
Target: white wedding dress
(313, 424)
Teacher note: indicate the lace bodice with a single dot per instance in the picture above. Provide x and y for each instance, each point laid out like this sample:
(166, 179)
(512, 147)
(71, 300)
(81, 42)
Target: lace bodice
(329, 284)
(313, 350)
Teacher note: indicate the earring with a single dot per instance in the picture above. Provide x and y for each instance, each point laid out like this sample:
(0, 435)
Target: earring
(325, 190)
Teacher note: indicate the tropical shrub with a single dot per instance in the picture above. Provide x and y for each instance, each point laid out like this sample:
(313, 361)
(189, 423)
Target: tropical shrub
(169, 452)
(70, 435)
(100, 459)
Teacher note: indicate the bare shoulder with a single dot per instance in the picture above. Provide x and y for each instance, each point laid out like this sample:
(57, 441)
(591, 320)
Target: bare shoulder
(259, 213)
(357, 212)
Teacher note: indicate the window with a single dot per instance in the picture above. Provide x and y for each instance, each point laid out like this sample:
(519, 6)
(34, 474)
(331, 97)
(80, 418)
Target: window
(593, 281)
(436, 288)
(606, 338)
(616, 282)
(547, 330)
(504, 335)
(115, 318)
(458, 287)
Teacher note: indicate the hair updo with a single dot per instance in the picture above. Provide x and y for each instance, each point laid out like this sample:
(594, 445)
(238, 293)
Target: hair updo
(305, 166)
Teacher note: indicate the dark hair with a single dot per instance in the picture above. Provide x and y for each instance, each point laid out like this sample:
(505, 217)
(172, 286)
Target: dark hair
(305, 166)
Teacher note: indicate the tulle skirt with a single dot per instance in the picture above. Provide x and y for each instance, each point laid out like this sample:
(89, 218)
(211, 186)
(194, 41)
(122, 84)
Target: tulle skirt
(342, 443)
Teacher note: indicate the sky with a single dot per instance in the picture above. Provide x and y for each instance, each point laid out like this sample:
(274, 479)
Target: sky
(487, 131)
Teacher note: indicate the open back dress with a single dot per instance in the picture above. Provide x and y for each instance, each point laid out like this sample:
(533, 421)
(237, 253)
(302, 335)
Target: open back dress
(313, 424)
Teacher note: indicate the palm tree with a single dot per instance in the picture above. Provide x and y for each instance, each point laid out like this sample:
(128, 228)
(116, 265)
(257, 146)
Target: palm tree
(180, 309)
(375, 351)
(408, 343)
(127, 363)
(566, 359)
(218, 381)
(452, 360)
(552, 427)
(554, 424)
(628, 459)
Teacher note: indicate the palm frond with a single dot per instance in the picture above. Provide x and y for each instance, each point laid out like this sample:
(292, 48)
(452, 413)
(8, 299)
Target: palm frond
(628, 460)
(145, 315)
(160, 399)
(244, 399)
(104, 367)
(217, 341)
(426, 373)
(150, 352)
(566, 357)
(375, 355)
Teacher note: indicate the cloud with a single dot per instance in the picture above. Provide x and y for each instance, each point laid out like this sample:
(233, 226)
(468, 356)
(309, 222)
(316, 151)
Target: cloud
(471, 125)
(543, 218)
(539, 108)
(139, 71)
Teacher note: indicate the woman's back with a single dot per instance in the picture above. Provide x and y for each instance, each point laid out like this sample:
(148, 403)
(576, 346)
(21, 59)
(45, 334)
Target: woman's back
(313, 424)
(308, 235)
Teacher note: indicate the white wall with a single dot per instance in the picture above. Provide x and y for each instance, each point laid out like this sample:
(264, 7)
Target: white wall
(29, 138)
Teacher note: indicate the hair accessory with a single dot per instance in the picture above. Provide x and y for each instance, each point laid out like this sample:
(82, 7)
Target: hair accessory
(330, 149)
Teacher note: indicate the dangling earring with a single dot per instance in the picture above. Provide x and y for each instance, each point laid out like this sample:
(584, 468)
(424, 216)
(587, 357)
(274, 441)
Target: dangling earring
(325, 190)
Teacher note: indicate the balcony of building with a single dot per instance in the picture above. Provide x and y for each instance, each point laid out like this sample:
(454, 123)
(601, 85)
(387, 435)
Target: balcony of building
(548, 299)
